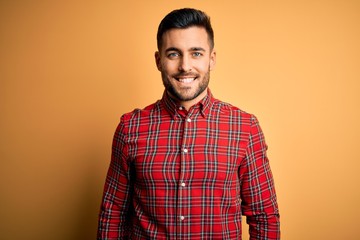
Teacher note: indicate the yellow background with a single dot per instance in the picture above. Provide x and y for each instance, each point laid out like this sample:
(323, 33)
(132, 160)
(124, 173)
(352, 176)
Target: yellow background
(69, 69)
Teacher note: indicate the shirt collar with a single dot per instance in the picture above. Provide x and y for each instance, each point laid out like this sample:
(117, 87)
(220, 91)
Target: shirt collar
(172, 107)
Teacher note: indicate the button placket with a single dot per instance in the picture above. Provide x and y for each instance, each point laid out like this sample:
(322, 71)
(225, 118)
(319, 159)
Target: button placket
(184, 159)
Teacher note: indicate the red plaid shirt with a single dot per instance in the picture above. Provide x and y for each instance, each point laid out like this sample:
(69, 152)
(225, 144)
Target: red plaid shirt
(177, 174)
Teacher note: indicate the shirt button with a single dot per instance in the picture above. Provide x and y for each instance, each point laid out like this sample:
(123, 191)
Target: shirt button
(181, 108)
(185, 150)
(188, 119)
(182, 218)
(183, 184)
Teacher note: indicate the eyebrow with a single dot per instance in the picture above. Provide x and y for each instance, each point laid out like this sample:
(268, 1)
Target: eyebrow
(170, 49)
(191, 49)
(197, 49)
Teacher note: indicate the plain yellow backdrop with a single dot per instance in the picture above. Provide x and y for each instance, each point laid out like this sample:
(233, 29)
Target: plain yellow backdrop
(69, 69)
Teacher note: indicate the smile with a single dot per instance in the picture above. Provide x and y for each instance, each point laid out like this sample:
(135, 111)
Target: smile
(186, 80)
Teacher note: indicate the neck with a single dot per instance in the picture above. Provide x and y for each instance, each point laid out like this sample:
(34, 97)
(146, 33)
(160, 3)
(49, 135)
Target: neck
(188, 104)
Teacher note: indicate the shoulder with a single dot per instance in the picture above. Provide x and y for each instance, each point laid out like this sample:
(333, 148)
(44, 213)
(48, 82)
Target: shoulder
(141, 114)
(229, 110)
(240, 120)
(131, 122)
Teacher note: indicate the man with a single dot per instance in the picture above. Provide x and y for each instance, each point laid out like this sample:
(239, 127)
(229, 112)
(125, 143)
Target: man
(188, 166)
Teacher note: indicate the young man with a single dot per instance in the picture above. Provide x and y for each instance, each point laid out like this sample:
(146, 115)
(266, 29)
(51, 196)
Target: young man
(188, 166)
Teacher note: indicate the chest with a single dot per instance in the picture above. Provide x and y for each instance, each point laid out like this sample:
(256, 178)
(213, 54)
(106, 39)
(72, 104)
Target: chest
(203, 150)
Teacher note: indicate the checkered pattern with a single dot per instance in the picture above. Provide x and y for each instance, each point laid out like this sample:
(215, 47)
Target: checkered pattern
(177, 174)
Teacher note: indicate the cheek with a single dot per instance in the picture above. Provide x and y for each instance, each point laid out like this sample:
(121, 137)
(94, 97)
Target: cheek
(169, 67)
(204, 67)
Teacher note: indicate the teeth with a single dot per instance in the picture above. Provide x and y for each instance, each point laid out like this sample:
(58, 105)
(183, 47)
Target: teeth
(186, 80)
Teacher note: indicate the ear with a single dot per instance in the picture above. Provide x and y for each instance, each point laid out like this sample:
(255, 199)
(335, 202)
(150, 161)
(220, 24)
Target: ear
(212, 59)
(158, 60)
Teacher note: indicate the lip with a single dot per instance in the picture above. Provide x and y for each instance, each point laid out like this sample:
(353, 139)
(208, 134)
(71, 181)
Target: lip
(186, 80)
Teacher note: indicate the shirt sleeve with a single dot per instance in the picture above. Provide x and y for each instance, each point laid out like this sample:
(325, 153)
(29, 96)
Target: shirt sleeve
(259, 203)
(114, 209)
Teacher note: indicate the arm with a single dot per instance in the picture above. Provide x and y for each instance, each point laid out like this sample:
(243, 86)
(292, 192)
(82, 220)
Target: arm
(258, 195)
(116, 198)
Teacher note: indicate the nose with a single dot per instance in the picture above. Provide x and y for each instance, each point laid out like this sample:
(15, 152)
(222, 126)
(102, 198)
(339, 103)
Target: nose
(185, 64)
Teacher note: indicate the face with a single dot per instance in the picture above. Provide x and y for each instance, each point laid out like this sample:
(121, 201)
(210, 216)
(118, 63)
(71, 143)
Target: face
(185, 61)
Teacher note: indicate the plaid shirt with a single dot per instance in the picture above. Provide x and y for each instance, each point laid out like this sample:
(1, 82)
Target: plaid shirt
(177, 174)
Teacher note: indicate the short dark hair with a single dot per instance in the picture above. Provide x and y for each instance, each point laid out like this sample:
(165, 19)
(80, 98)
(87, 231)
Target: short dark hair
(185, 18)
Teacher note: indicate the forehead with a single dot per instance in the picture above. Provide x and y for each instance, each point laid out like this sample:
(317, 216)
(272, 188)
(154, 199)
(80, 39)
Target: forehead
(186, 38)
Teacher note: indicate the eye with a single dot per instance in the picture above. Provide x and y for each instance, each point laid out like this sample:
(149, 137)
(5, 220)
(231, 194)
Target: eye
(197, 54)
(173, 55)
